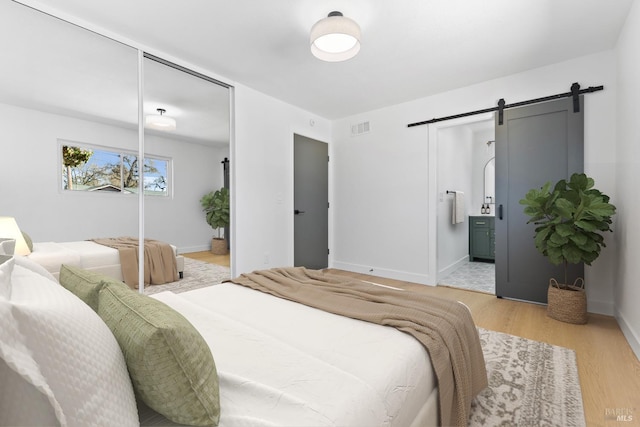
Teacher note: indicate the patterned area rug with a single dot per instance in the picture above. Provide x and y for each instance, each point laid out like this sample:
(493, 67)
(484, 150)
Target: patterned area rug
(197, 274)
(531, 383)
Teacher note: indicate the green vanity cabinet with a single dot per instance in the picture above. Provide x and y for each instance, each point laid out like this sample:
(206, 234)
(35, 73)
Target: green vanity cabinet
(482, 238)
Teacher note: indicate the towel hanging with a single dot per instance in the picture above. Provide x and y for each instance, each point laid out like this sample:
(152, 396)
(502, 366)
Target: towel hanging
(457, 211)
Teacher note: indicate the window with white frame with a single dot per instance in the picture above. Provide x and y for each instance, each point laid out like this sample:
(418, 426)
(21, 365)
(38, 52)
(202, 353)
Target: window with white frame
(91, 168)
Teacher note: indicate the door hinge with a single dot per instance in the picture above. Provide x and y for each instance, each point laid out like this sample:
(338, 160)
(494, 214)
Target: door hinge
(328, 205)
(328, 251)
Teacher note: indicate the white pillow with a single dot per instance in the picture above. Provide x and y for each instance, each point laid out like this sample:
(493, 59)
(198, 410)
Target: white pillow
(25, 397)
(30, 264)
(6, 267)
(75, 351)
(7, 246)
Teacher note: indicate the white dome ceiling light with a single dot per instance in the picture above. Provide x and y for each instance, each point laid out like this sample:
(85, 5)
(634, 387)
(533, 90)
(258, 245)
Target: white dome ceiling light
(335, 38)
(159, 121)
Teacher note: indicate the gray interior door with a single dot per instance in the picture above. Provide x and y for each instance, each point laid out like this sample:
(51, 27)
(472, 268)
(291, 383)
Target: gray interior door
(535, 144)
(311, 203)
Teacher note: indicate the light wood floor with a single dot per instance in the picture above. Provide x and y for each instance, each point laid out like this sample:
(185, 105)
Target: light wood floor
(609, 370)
(207, 256)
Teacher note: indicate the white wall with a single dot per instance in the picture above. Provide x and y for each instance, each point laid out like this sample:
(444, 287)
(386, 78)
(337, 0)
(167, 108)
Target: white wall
(455, 168)
(262, 175)
(197, 170)
(380, 197)
(382, 202)
(30, 170)
(627, 291)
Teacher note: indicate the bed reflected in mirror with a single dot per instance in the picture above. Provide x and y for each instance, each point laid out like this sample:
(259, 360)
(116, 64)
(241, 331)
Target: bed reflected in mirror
(71, 163)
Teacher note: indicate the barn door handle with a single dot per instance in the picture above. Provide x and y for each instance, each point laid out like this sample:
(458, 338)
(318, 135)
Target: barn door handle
(500, 212)
(298, 212)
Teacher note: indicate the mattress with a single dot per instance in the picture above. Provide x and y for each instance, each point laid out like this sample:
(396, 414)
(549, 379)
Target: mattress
(285, 364)
(83, 254)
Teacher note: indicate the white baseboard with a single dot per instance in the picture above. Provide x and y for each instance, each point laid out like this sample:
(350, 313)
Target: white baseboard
(422, 279)
(632, 336)
(600, 307)
(452, 267)
(188, 249)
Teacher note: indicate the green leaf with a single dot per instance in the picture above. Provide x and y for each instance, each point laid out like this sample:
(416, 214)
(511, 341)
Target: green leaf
(569, 219)
(555, 255)
(558, 240)
(565, 208)
(572, 254)
(579, 238)
(565, 230)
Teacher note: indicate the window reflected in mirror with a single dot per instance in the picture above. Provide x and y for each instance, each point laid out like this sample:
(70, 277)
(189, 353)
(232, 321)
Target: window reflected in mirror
(93, 169)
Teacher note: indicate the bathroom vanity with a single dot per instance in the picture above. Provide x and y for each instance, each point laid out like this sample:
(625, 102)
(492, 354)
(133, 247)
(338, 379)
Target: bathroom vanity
(482, 244)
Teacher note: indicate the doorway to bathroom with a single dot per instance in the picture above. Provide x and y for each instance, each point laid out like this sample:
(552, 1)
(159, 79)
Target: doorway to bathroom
(465, 173)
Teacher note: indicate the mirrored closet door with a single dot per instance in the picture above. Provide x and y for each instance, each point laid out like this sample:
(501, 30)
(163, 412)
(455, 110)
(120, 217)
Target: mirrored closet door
(79, 145)
(69, 115)
(186, 140)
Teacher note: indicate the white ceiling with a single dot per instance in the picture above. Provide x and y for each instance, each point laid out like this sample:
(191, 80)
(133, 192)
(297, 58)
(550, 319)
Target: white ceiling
(410, 48)
(52, 66)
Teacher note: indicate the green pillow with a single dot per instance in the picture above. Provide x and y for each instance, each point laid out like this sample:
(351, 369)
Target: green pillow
(170, 364)
(85, 284)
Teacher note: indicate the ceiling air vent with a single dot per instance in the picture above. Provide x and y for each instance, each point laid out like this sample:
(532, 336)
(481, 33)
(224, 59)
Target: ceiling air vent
(360, 128)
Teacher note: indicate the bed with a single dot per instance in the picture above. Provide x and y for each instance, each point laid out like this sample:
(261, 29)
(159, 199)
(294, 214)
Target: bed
(84, 254)
(272, 362)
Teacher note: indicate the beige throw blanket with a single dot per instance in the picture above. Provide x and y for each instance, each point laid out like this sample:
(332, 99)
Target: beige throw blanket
(444, 327)
(160, 264)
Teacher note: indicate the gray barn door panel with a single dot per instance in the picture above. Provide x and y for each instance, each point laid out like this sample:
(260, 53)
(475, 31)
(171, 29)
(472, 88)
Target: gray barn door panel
(311, 203)
(535, 144)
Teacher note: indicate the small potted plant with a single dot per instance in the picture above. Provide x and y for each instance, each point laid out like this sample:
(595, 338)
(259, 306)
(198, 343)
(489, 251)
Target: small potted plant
(570, 220)
(215, 204)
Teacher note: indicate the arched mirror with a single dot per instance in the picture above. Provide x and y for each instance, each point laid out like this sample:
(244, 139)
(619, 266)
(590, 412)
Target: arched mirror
(490, 181)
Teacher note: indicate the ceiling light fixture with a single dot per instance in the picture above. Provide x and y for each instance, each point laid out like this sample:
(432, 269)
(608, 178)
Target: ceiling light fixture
(159, 121)
(335, 38)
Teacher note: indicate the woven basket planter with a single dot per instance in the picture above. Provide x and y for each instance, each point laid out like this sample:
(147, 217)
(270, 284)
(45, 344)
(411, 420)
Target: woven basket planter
(567, 304)
(219, 246)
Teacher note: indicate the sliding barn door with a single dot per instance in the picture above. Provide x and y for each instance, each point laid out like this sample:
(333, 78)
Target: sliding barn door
(535, 144)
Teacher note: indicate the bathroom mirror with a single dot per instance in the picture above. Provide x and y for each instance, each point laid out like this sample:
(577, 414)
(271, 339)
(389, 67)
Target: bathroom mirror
(490, 181)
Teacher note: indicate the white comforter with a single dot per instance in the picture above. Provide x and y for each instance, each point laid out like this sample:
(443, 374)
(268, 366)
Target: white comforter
(286, 364)
(84, 254)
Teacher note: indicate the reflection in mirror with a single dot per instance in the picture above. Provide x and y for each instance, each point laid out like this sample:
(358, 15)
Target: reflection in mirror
(193, 151)
(64, 86)
(490, 181)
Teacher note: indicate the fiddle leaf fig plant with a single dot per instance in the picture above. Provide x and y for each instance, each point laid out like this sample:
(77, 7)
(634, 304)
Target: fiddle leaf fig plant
(216, 208)
(570, 219)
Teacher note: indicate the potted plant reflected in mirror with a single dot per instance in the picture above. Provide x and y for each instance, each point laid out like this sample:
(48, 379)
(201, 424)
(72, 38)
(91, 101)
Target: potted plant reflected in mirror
(570, 220)
(215, 205)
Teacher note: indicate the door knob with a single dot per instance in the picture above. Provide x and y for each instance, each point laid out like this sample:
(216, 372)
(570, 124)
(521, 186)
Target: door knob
(298, 212)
